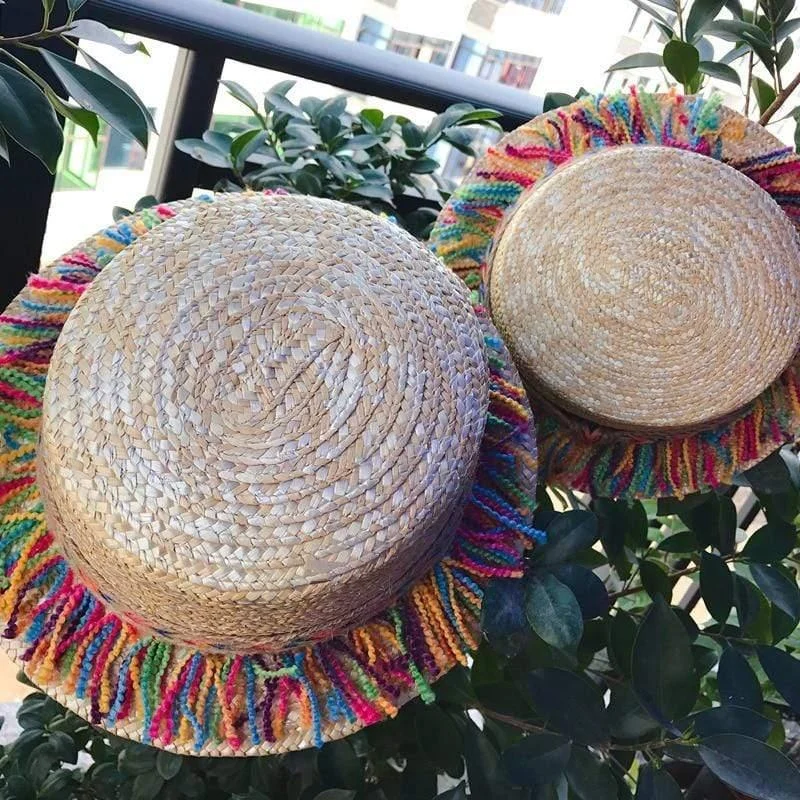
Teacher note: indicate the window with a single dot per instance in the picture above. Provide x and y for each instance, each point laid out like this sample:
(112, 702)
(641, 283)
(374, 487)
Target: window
(469, 56)
(374, 33)
(424, 48)
(512, 69)
(550, 6)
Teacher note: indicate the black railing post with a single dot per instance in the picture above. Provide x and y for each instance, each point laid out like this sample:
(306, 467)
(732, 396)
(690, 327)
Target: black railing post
(195, 91)
(25, 186)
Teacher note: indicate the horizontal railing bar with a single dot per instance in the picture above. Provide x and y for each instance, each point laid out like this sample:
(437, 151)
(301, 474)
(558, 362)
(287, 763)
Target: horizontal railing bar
(237, 33)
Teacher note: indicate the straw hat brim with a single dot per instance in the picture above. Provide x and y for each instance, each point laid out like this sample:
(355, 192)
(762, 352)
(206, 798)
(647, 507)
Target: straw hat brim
(587, 455)
(207, 703)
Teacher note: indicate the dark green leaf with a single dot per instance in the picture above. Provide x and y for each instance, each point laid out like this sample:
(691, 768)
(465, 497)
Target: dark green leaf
(482, 761)
(308, 183)
(378, 191)
(752, 609)
(4, 147)
(627, 719)
(788, 28)
(785, 53)
(778, 588)
(335, 794)
(638, 61)
(277, 102)
(440, 739)
(751, 767)
(135, 759)
(339, 766)
(147, 786)
(556, 100)
(241, 94)
(64, 747)
(621, 636)
(681, 542)
(424, 165)
(27, 117)
(735, 7)
(784, 672)
(96, 93)
(728, 719)
(655, 580)
(705, 659)
(567, 535)
(571, 704)
(168, 765)
(716, 586)
(772, 542)
(765, 94)
(589, 590)
(681, 60)
(56, 784)
(93, 31)
(80, 116)
(75, 5)
(701, 13)
(361, 142)
(458, 793)
(537, 759)
(503, 614)
(737, 683)
(660, 21)
(734, 30)
(245, 144)
(588, 778)
(656, 784)
(664, 675)
(201, 151)
(553, 612)
(720, 71)
(329, 127)
(412, 134)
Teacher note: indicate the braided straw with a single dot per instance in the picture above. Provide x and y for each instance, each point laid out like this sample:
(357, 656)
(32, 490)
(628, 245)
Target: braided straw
(650, 298)
(259, 428)
(318, 310)
(647, 284)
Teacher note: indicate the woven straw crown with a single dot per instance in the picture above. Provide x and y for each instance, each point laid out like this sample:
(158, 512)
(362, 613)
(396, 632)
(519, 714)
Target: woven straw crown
(260, 456)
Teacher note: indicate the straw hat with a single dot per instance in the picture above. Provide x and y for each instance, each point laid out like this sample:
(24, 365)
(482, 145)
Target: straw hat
(643, 267)
(278, 452)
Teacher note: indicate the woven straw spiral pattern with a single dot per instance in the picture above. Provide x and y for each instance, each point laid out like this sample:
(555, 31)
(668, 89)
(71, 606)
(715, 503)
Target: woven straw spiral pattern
(646, 310)
(260, 426)
(617, 439)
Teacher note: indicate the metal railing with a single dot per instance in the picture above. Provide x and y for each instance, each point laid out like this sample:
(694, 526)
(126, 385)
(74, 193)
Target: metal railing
(211, 32)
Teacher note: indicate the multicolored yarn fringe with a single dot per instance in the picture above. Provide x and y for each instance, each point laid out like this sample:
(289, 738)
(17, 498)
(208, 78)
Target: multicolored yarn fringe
(141, 686)
(575, 452)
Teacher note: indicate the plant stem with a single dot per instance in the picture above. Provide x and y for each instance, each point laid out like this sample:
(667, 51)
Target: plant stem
(679, 9)
(750, 65)
(780, 100)
(34, 37)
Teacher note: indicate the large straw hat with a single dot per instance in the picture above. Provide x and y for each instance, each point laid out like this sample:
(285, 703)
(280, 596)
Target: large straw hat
(254, 480)
(643, 267)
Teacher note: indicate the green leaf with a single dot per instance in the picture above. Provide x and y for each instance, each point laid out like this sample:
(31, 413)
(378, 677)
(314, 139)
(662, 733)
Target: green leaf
(788, 28)
(110, 76)
(136, 759)
(245, 144)
(784, 672)
(94, 92)
(765, 94)
(567, 535)
(413, 135)
(681, 542)
(734, 30)
(457, 793)
(588, 778)
(748, 602)
(4, 154)
(378, 191)
(27, 117)
(716, 586)
(627, 719)
(571, 704)
(779, 589)
(56, 785)
(728, 719)
(503, 619)
(238, 92)
(589, 590)
(536, 760)
(663, 671)
(553, 612)
(339, 766)
(751, 767)
(201, 151)
(705, 659)
(277, 102)
(483, 762)
(655, 580)
(720, 71)
(80, 116)
(361, 142)
(701, 13)
(335, 794)
(785, 53)
(76, 5)
(638, 61)
(440, 739)
(63, 745)
(656, 784)
(93, 31)
(772, 542)
(168, 765)
(681, 60)
(556, 100)
(737, 683)
(371, 118)
(621, 636)
(147, 786)
(329, 127)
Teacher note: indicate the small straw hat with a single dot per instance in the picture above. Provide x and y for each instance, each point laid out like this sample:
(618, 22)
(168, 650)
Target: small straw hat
(643, 267)
(260, 455)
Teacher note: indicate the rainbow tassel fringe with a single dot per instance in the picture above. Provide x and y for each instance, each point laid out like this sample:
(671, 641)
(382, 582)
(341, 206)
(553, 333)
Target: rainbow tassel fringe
(573, 451)
(150, 689)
